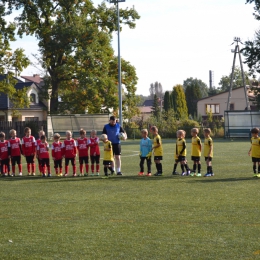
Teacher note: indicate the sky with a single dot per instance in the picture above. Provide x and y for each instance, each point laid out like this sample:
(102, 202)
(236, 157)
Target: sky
(175, 40)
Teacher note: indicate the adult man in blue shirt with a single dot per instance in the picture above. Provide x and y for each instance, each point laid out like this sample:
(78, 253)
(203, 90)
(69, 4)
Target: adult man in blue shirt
(112, 130)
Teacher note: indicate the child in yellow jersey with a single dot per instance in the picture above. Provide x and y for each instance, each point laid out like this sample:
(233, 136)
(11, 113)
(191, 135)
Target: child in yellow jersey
(108, 157)
(180, 154)
(157, 150)
(195, 152)
(208, 152)
(254, 151)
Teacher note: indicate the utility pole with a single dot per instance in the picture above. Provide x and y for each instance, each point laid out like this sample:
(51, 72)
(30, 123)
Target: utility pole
(237, 51)
(116, 2)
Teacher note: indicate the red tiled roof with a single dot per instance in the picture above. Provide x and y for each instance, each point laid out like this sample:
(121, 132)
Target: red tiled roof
(35, 78)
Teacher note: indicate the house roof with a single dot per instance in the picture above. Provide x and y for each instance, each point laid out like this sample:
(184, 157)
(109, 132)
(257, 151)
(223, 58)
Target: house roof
(6, 104)
(145, 109)
(234, 89)
(35, 78)
(149, 102)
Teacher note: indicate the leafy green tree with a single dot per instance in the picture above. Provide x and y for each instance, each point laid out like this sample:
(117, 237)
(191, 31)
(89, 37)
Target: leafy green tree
(167, 101)
(179, 102)
(74, 39)
(237, 80)
(192, 94)
(156, 108)
(10, 61)
(203, 86)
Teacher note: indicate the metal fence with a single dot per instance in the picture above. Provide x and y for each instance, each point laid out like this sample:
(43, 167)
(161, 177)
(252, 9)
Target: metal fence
(36, 126)
(239, 123)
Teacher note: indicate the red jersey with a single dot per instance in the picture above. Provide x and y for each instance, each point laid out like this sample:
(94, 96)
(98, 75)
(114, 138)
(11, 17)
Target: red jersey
(56, 150)
(82, 145)
(94, 147)
(4, 150)
(28, 145)
(69, 148)
(42, 150)
(15, 146)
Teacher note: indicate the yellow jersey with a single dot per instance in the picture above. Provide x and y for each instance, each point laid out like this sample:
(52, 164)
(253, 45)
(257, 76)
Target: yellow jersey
(108, 155)
(195, 146)
(255, 147)
(208, 143)
(181, 147)
(159, 150)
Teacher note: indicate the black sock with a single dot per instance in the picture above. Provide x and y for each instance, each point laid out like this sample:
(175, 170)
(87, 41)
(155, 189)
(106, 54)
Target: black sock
(186, 167)
(160, 167)
(258, 168)
(194, 167)
(105, 170)
(182, 167)
(208, 169)
(254, 168)
(199, 168)
(174, 167)
(110, 169)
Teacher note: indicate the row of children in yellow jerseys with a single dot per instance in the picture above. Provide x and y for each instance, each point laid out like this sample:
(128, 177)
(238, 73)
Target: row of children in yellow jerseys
(29, 147)
(147, 148)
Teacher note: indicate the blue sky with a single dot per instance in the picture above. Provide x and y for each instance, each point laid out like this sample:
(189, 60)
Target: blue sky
(175, 40)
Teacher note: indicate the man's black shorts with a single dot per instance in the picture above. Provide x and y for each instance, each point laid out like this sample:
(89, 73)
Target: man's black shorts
(116, 149)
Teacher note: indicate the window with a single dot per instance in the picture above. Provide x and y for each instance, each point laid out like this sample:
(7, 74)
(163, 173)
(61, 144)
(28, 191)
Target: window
(213, 108)
(34, 119)
(231, 106)
(33, 98)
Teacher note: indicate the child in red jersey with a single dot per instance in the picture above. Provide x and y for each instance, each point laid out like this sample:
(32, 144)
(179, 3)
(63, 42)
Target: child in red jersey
(57, 154)
(94, 152)
(38, 141)
(29, 149)
(15, 151)
(82, 145)
(43, 154)
(69, 153)
(4, 156)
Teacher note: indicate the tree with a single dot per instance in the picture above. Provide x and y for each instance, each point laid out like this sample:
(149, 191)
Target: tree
(156, 108)
(203, 86)
(192, 94)
(156, 89)
(167, 101)
(9, 61)
(179, 102)
(74, 41)
(237, 80)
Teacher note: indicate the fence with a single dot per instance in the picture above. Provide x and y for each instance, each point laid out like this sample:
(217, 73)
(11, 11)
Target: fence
(61, 123)
(239, 123)
(6, 126)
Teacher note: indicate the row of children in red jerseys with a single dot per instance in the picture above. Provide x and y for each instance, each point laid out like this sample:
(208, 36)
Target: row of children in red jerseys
(29, 147)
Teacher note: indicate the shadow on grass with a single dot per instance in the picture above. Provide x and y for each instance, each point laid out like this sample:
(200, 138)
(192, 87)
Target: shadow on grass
(131, 177)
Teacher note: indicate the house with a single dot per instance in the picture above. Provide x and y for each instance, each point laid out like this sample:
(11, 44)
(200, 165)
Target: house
(146, 109)
(37, 110)
(217, 104)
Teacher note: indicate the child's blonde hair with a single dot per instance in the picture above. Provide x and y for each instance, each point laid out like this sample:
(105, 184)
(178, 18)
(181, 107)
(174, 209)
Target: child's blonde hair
(41, 132)
(56, 136)
(103, 137)
(68, 132)
(82, 131)
(195, 130)
(94, 131)
(27, 129)
(207, 130)
(12, 131)
(181, 132)
(154, 129)
(144, 131)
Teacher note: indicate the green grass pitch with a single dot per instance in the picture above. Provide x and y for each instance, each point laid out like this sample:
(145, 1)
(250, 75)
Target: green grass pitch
(131, 217)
